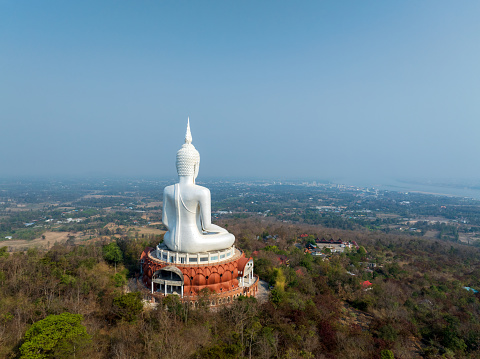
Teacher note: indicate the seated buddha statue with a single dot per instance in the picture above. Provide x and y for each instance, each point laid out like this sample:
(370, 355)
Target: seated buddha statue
(187, 208)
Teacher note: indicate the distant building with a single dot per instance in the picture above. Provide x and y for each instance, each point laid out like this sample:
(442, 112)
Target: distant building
(335, 246)
(367, 285)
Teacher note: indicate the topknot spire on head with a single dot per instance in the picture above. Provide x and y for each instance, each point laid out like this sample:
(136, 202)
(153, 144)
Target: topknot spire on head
(188, 158)
(188, 135)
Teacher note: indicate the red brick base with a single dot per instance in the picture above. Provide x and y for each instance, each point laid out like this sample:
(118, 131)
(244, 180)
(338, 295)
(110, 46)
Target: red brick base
(219, 278)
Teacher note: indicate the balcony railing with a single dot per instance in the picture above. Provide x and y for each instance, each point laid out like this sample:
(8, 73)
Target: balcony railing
(162, 253)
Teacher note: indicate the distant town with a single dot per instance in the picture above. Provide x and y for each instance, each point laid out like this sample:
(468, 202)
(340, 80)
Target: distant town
(328, 271)
(46, 212)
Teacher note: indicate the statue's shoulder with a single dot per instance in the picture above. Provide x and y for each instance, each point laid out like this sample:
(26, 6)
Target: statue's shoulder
(204, 192)
(202, 189)
(169, 189)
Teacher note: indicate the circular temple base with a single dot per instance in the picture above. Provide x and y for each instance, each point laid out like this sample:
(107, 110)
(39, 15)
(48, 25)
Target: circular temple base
(220, 281)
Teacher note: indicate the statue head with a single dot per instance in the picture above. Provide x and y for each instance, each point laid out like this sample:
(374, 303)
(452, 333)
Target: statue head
(188, 158)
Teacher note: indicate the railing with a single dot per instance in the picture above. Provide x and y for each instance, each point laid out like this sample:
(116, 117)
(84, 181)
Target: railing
(205, 258)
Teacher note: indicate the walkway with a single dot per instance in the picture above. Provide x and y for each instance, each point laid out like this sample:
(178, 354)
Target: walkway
(263, 291)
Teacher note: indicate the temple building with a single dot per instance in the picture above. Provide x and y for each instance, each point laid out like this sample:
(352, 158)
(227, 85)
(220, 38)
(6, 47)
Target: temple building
(196, 256)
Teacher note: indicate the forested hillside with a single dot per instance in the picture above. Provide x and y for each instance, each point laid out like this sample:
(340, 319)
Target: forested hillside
(416, 305)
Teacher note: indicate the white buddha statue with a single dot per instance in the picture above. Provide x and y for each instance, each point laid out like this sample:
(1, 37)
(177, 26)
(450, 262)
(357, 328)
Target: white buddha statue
(187, 208)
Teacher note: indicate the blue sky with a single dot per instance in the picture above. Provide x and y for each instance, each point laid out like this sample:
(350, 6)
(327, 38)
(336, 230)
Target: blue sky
(340, 90)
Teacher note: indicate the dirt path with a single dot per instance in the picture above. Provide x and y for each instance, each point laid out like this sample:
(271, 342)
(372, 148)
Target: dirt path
(263, 291)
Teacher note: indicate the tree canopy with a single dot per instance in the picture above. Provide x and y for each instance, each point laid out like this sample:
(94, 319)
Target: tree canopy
(60, 335)
(112, 253)
(128, 306)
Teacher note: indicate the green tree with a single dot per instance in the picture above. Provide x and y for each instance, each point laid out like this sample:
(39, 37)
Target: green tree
(386, 354)
(361, 250)
(59, 336)
(112, 253)
(128, 306)
(307, 261)
(119, 279)
(388, 332)
(276, 296)
(310, 239)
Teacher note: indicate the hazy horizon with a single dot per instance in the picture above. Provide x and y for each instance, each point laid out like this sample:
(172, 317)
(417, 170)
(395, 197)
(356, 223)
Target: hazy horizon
(343, 92)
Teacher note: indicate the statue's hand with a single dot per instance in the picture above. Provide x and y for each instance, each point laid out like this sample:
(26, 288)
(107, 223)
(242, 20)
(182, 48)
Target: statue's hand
(215, 229)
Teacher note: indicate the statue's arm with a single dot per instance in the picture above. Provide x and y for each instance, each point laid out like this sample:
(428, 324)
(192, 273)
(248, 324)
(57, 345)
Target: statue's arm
(164, 212)
(206, 213)
(205, 209)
